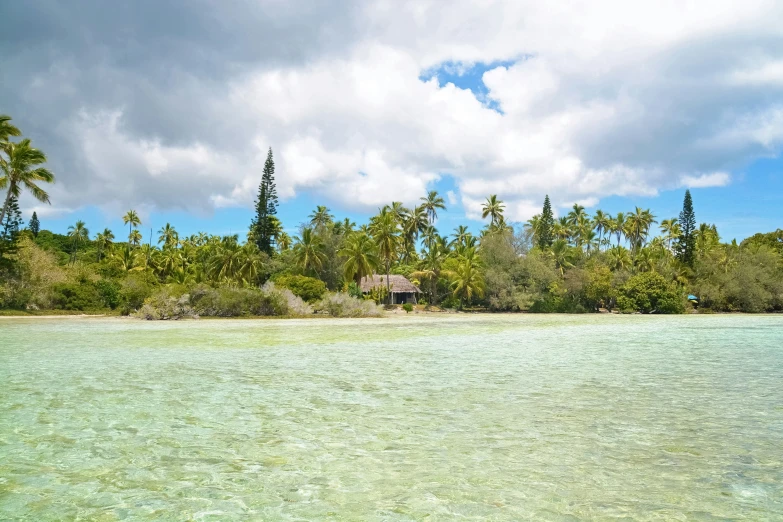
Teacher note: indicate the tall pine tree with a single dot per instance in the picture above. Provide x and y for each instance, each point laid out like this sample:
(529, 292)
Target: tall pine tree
(34, 225)
(9, 230)
(546, 226)
(264, 224)
(686, 245)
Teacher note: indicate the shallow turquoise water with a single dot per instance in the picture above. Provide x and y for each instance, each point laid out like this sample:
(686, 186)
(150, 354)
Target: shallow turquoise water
(514, 417)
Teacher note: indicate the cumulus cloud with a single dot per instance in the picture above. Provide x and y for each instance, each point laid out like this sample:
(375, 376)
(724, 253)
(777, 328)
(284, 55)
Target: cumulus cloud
(593, 100)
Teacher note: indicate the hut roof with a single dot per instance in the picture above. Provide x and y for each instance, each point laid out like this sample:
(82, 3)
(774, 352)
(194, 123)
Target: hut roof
(398, 283)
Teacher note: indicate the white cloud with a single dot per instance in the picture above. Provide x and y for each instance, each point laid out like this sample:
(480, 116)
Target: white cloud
(605, 98)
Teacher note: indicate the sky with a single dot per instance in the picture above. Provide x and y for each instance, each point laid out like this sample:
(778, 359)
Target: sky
(169, 107)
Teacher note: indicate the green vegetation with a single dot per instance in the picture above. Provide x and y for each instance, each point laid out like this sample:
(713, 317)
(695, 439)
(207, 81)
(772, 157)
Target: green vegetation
(577, 263)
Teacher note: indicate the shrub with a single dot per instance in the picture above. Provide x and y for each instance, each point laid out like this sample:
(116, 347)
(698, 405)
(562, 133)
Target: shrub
(164, 305)
(235, 302)
(407, 307)
(650, 293)
(309, 289)
(343, 305)
(134, 289)
(76, 296)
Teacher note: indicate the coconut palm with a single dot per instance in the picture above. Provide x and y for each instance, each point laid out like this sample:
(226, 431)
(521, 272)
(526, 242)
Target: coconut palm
(385, 233)
(619, 258)
(131, 218)
(168, 236)
(78, 234)
(467, 282)
(7, 129)
(309, 251)
(532, 227)
(562, 254)
(671, 230)
(601, 222)
(125, 259)
(576, 216)
(637, 227)
(561, 229)
(283, 241)
(461, 235)
(320, 217)
(251, 263)
(104, 240)
(135, 237)
(361, 257)
(20, 169)
(493, 208)
(431, 269)
(618, 226)
(397, 210)
(431, 204)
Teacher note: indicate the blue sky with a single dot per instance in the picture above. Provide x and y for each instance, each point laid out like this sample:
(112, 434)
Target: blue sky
(610, 104)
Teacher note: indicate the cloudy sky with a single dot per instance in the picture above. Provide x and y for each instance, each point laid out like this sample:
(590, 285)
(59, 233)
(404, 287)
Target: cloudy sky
(169, 107)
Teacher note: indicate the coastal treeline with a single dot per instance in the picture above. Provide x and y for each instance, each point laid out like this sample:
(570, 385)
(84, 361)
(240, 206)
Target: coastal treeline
(579, 262)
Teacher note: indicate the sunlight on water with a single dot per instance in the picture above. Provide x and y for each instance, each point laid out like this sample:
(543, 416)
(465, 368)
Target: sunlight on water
(502, 417)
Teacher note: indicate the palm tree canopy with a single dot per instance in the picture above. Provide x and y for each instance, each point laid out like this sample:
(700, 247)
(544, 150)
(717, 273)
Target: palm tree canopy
(7, 129)
(21, 170)
(131, 217)
(431, 203)
(493, 208)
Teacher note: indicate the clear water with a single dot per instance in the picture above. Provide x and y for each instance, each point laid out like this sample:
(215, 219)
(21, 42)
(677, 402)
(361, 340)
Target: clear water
(422, 418)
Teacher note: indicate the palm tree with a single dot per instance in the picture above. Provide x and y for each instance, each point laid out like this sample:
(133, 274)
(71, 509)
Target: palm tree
(637, 227)
(431, 269)
(7, 129)
(168, 236)
(131, 218)
(576, 216)
(493, 208)
(619, 258)
(309, 251)
(461, 235)
(104, 240)
(432, 203)
(283, 241)
(532, 227)
(414, 222)
(384, 230)
(361, 257)
(78, 234)
(601, 222)
(21, 169)
(468, 282)
(618, 226)
(251, 263)
(227, 260)
(125, 259)
(561, 252)
(562, 230)
(320, 217)
(671, 229)
(135, 237)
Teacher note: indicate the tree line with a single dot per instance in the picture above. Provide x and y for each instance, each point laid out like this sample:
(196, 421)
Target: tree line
(579, 262)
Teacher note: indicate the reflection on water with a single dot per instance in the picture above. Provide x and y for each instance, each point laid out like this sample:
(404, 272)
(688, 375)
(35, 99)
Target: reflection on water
(469, 417)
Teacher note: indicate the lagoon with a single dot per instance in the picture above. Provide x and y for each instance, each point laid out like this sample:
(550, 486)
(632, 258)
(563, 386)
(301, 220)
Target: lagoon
(469, 417)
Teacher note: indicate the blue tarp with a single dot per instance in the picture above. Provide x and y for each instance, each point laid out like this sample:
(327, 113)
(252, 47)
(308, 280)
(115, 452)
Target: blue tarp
(692, 298)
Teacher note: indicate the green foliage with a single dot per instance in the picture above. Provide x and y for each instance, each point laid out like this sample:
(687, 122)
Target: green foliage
(545, 232)
(264, 225)
(407, 307)
(650, 293)
(343, 305)
(309, 289)
(34, 225)
(76, 296)
(686, 244)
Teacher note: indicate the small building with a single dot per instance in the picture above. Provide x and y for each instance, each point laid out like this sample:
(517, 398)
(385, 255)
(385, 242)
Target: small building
(402, 290)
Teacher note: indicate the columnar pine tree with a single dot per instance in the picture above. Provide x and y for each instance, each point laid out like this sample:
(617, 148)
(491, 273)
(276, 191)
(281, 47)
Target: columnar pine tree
(263, 227)
(34, 225)
(686, 244)
(12, 221)
(546, 226)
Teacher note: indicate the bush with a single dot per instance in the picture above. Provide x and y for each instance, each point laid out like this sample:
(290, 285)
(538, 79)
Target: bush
(344, 305)
(76, 296)
(407, 307)
(650, 293)
(134, 289)
(165, 305)
(235, 302)
(307, 288)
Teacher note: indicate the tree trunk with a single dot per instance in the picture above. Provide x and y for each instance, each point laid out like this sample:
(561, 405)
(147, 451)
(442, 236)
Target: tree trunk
(5, 204)
(388, 286)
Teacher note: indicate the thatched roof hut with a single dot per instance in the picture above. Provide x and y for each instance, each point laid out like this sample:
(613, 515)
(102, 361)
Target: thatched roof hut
(402, 290)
